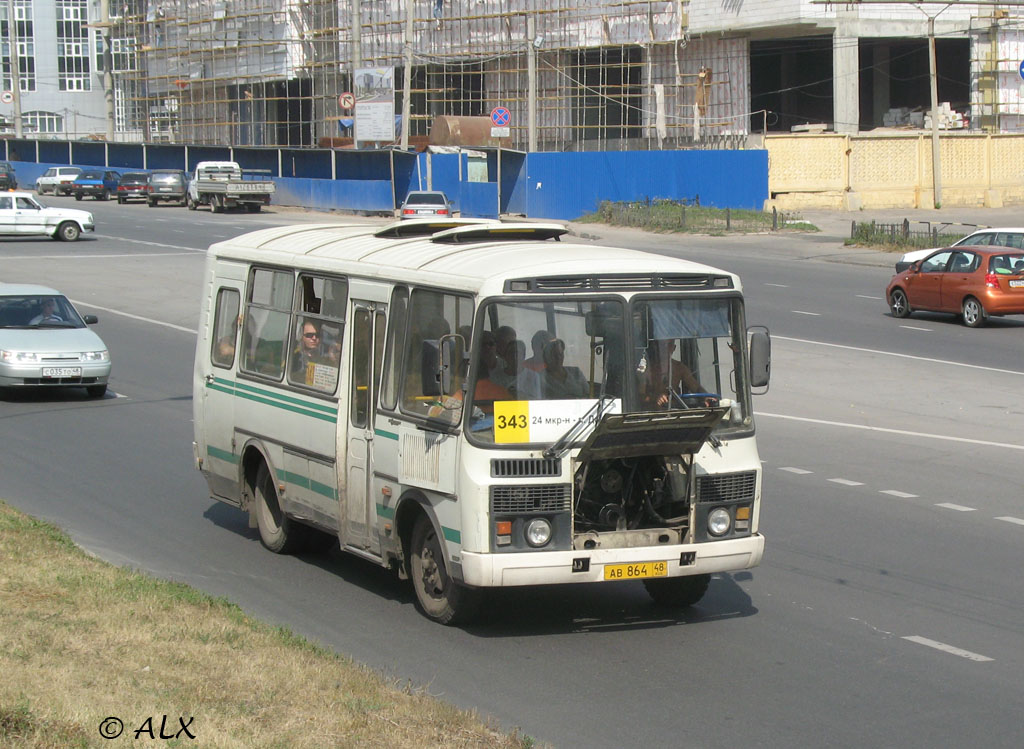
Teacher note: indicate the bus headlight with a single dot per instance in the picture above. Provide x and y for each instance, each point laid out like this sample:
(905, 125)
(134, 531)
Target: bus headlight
(538, 532)
(719, 522)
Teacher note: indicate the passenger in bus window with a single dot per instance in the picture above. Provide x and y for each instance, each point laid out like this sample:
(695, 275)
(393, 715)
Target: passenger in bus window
(539, 340)
(307, 353)
(559, 381)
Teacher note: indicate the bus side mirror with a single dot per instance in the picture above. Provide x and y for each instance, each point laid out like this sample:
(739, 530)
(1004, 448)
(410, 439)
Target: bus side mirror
(760, 357)
(452, 353)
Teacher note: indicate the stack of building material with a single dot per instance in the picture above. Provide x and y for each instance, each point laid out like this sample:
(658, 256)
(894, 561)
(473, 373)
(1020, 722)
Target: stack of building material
(949, 119)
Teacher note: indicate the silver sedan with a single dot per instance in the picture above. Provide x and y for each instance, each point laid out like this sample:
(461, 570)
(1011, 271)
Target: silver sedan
(45, 342)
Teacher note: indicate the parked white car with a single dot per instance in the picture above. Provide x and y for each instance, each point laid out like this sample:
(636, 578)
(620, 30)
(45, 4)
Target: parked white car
(57, 180)
(1012, 237)
(22, 215)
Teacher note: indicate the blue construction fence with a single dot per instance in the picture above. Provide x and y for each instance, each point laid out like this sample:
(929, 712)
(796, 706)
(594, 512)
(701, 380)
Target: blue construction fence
(480, 182)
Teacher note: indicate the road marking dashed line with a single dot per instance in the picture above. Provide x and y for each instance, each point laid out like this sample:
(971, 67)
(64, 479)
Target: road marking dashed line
(958, 508)
(898, 494)
(847, 482)
(797, 471)
(1008, 519)
(948, 648)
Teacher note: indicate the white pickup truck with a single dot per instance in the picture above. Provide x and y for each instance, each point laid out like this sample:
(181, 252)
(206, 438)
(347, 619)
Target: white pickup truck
(222, 185)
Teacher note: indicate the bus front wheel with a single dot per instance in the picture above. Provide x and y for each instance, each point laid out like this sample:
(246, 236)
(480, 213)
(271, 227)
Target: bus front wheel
(677, 592)
(440, 597)
(278, 532)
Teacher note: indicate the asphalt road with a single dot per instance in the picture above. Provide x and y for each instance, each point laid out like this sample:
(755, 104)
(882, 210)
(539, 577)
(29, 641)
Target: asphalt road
(888, 610)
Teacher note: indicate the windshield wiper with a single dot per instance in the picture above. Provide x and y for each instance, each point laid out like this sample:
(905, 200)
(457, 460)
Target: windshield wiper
(599, 409)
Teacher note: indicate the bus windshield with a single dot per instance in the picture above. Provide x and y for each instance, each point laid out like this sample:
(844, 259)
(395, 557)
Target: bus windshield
(540, 366)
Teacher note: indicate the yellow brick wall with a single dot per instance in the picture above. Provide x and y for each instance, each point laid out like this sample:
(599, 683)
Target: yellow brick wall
(893, 170)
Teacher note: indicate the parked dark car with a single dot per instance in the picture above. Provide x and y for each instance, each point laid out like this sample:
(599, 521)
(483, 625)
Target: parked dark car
(167, 184)
(973, 282)
(8, 179)
(95, 182)
(132, 186)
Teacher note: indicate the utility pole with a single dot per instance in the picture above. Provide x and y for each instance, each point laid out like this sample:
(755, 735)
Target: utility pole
(531, 82)
(12, 41)
(407, 78)
(108, 63)
(357, 60)
(936, 145)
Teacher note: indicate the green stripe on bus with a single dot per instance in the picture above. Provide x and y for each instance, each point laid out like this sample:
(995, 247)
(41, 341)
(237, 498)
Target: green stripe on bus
(304, 482)
(284, 398)
(286, 407)
(450, 534)
(216, 452)
(385, 512)
(385, 435)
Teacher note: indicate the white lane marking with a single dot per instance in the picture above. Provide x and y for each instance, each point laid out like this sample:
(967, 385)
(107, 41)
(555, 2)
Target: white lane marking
(947, 648)
(1008, 519)
(94, 257)
(779, 285)
(152, 244)
(914, 327)
(846, 482)
(865, 296)
(801, 312)
(958, 508)
(1008, 445)
(894, 493)
(797, 471)
(90, 305)
(901, 356)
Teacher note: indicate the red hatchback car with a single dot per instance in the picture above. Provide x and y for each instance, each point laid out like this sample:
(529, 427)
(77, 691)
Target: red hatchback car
(974, 282)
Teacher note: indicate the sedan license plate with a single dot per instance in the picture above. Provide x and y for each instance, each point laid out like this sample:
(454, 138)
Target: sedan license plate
(635, 571)
(1016, 284)
(62, 371)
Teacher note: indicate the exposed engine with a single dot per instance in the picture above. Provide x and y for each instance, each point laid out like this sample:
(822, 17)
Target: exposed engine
(624, 494)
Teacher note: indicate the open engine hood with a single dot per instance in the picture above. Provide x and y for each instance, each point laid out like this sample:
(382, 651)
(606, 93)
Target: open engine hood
(651, 433)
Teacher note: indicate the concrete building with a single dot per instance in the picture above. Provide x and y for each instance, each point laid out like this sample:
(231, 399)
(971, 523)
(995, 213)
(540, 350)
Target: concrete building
(58, 71)
(574, 74)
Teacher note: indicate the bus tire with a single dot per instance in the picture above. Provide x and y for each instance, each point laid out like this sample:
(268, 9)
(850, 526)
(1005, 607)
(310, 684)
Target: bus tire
(439, 596)
(279, 533)
(677, 592)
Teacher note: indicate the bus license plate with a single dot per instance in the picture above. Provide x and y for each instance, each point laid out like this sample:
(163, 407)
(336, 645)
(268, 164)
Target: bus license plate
(635, 571)
(62, 371)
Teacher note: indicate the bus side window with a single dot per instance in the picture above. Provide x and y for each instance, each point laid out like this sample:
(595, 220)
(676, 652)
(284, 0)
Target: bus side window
(393, 347)
(265, 326)
(225, 328)
(319, 315)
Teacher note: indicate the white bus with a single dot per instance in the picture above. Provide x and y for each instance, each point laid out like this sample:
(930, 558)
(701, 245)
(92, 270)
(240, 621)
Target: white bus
(481, 404)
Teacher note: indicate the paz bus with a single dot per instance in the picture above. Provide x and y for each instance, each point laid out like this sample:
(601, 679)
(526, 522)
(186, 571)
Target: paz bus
(478, 404)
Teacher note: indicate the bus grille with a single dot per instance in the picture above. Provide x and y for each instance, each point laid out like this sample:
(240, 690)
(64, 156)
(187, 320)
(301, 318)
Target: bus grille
(516, 500)
(727, 487)
(525, 467)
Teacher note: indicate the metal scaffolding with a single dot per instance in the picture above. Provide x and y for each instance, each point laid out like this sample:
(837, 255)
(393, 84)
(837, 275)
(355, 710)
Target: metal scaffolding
(589, 75)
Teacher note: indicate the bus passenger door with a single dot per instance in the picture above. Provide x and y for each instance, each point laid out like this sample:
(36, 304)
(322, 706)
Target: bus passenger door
(217, 367)
(368, 325)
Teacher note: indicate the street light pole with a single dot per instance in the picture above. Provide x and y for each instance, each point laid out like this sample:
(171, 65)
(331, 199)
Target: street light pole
(108, 62)
(407, 78)
(12, 40)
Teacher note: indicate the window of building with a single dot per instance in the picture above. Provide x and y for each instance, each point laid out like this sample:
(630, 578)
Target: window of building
(43, 122)
(73, 64)
(24, 31)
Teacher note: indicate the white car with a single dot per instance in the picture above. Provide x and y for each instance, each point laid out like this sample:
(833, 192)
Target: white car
(44, 342)
(22, 215)
(1012, 237)
(57, 180)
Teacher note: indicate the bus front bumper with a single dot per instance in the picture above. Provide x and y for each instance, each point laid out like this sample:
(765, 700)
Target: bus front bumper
(587, 566)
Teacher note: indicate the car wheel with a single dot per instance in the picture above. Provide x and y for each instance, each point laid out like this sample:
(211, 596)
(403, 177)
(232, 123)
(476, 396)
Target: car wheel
(104, 195)
(190, 203)
(279, 533)
(78, 196)
(96, 391)
(151, 203)
(677, 592)
(439, 596)
(898, 303)
(68, 231)
(973, 313)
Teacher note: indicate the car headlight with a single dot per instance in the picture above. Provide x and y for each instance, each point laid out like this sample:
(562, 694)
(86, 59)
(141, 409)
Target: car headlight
(19, 357)
(95, 355)
(719, 521)
(538, 532)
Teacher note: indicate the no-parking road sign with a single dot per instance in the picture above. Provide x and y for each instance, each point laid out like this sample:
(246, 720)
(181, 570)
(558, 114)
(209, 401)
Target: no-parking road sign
(501, 117)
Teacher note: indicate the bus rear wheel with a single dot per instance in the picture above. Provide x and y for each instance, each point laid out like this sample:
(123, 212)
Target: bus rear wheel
(279, 533)
(677, 592)
(439, 596)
